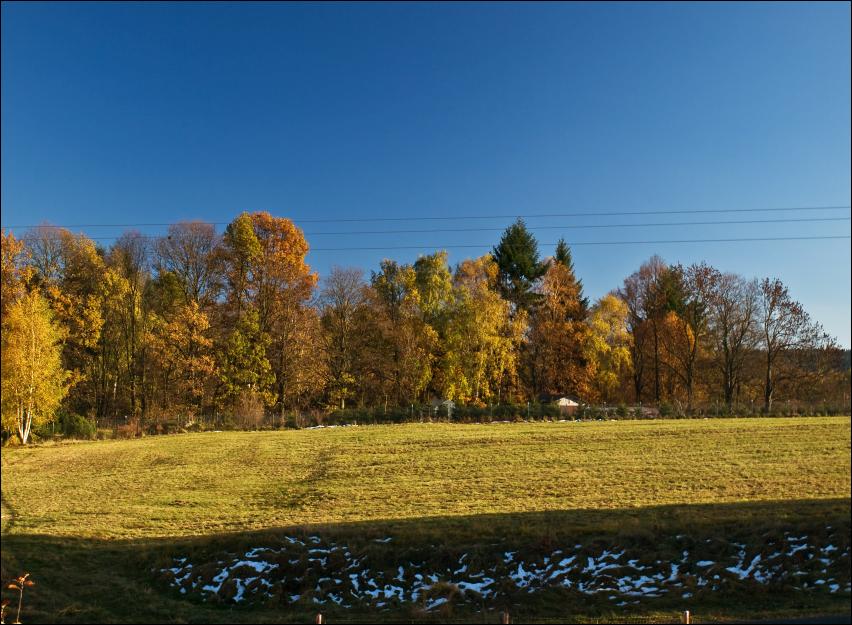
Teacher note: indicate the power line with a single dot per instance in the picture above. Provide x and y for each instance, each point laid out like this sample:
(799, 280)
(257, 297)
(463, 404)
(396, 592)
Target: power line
(549, 227)
(464, 217)
(417, 247)
(585, 226)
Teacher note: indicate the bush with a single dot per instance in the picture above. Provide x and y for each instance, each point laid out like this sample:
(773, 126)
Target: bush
(164, 426)
(128, 430)
(67, 425)
(72, 425)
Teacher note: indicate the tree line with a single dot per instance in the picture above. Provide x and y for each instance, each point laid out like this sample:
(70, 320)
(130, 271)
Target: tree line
(194, 324)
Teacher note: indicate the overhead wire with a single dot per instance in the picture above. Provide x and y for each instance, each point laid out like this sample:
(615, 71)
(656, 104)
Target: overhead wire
(459, 217)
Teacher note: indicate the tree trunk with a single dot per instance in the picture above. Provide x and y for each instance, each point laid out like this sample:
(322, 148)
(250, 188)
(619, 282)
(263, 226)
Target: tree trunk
(729, 386)
(25, 421)
(637, 382)
(656, 364)
(768, 386)
(133, 401)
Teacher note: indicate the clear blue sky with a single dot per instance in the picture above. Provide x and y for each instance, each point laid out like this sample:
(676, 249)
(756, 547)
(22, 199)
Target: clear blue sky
(159, 112)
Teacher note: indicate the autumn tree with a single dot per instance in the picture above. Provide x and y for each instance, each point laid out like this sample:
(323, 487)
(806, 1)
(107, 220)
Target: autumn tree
(301, 372)
(644, 295)
(33, 380)
(685, 324)
(562, 255)
(69, 271)
(559, 335)
(408, 341)
(242, 363)
(608, 347)
(482, 339)
(434, 283)
(113, 359)
(190, 252)
(784, 328)
(15, 271)
(129, 258)
(241, 253)
(342, 302)
(733, 303)
(45, 245)
(266, 270)
(182, 349)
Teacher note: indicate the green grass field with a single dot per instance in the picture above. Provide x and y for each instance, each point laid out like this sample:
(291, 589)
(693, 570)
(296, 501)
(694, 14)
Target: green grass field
(91, 521)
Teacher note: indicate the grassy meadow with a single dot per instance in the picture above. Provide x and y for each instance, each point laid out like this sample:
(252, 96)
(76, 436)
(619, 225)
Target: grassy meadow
(91, 521)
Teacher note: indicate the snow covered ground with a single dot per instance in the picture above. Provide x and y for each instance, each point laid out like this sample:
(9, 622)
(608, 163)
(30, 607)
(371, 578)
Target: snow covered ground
(312, 570)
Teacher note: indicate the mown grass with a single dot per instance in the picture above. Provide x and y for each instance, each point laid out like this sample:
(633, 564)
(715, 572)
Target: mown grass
(91, 517)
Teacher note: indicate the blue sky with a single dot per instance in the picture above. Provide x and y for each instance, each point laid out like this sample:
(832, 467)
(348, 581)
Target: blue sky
(160, 112)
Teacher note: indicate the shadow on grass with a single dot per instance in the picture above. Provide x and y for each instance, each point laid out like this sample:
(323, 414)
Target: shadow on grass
(92, 580)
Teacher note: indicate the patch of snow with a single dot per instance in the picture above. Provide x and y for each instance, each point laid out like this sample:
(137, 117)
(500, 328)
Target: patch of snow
(259, 566)
(741, 572)
(521, 577)
(219, 580)
(478, 587)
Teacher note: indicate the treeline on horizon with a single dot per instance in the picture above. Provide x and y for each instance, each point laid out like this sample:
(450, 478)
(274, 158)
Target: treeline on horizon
(195, 325)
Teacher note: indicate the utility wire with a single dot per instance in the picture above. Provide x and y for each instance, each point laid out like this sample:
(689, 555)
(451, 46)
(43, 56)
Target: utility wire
(585, 226)
(463, 217)
(548, 227)
(417, 247)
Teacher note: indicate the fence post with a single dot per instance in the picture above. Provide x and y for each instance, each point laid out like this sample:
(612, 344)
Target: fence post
(504, 617)
(685, 617)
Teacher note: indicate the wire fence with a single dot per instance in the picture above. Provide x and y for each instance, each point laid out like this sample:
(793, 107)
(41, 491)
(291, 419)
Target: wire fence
(520, 617)
(458, 414)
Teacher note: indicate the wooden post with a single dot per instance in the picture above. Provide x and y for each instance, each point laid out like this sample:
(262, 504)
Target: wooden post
(685, 617)
(504, 617)
(319, 619)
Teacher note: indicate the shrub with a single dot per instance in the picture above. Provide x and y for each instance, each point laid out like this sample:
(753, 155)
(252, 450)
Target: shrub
(164, 426)
(128, 430)
(72, 425)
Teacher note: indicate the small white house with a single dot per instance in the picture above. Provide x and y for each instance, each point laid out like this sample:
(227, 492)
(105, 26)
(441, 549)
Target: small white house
(445, 406)
(567, 405)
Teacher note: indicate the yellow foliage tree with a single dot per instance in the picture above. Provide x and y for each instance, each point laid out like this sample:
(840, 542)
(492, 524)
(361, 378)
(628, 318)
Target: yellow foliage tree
(405, 342)
(183, 350)
(608, 348)
(33, 380)
(481, 337)
(15, 271)
(677, 353)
